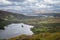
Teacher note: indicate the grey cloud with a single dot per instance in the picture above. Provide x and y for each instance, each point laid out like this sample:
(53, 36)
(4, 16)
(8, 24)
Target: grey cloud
(16, 0)
(30, 7)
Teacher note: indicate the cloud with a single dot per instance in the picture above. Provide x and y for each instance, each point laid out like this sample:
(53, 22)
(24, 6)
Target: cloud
(31, 6)
(16, 0)
(4, 2)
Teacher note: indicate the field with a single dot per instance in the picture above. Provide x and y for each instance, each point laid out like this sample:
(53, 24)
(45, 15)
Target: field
(41, 36)
(41, 20)
(45, 29)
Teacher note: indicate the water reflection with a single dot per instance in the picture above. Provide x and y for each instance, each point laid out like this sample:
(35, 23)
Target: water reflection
(15, 30)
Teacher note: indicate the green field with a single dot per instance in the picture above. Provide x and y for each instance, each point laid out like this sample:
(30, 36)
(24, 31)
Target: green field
(41, 36)
(45, 29)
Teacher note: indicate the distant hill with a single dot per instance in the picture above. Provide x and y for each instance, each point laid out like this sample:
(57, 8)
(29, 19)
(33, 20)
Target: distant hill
(10, 15)
(16, 16)
(50, 14)
(6, 16)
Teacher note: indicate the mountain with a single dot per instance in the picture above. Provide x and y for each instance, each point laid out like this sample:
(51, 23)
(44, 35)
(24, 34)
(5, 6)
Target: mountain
(50, 14)
(6, 16)
(10, 15)
(15, 16)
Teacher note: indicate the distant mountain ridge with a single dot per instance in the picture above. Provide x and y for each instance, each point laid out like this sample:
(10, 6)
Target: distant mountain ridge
(51, 14)
(9, 17)
(4, 14)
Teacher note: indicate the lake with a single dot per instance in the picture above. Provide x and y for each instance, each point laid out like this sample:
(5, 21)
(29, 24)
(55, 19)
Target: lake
(15, 29)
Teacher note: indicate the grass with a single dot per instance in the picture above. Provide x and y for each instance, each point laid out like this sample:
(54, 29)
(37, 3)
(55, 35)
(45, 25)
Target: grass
(15, 38)
(41, 36)
(46, 35)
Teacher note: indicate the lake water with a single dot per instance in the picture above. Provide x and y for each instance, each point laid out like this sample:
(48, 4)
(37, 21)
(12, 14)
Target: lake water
(14, 30)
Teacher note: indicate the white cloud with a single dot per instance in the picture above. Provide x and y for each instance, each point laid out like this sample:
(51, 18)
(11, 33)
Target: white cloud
(45, 11)
(52, 1)
(13, 7)
(29, 5)
(41, 5)
(48, 1)
(2, 2)
(31, 1)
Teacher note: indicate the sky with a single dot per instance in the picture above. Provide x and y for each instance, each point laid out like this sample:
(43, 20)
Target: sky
(31, 6)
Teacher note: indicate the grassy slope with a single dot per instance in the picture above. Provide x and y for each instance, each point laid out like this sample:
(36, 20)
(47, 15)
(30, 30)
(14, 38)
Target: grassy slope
(36, 23)
(42, 36)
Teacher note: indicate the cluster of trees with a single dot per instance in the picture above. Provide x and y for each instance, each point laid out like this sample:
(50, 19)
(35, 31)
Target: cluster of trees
(47, 27)
(3, 23)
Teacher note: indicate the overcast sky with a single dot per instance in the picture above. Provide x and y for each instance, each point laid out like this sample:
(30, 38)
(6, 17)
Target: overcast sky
(31, 6)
